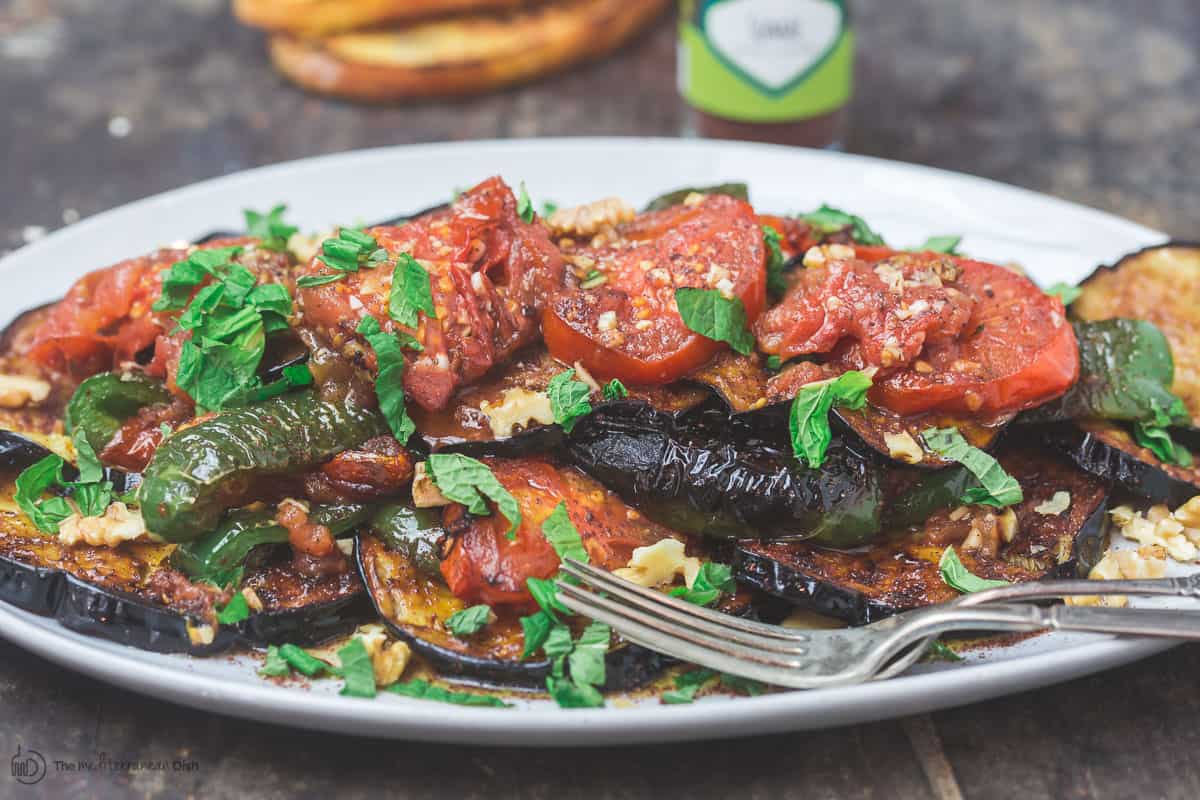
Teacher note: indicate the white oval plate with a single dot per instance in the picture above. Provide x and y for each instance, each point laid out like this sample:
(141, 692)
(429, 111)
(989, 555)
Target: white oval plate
(1053, 239)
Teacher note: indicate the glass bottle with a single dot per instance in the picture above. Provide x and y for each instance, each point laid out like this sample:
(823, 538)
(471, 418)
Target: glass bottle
(776, 71)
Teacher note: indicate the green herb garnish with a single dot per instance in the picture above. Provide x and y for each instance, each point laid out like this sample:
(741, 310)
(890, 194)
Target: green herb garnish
(1154, 436)
(959, 577)
(465, 480)
(536, 628)
(275, 666)
(586, 659)
(711, 582)
(997, 488)
(562, 535)
(308, 281)
(424, 690)
(776, 282)
(941, 244)
(45, 514)
(809, 417)
(351, 250)
(357, 670)
(469, 621)
(687, 685)
(1065, 292)
(715, 316)
(568, 399)
(615, 390)
(410, 293)
(229, 319)
(300, 660)
(269, 228)
(91, 493)
(940, 651)
(235, 611)
(389, 377)
(828, 220)
(525, 205)
(774, 363)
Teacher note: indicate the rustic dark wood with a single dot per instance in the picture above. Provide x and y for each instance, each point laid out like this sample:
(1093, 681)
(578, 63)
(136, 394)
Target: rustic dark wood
(1098, 102)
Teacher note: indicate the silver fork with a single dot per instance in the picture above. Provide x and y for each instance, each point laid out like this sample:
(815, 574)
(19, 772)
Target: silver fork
(814, 659)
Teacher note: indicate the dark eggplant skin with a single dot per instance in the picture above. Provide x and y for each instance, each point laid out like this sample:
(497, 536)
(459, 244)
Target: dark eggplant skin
(900, 574)
(400, 220)
(489, 658)
(130, 619)
(104, 611)
(18, 452)
(704, 472)
(1111, 454)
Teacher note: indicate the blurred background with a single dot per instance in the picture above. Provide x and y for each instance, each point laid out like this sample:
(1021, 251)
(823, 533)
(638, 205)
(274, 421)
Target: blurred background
(109, 100)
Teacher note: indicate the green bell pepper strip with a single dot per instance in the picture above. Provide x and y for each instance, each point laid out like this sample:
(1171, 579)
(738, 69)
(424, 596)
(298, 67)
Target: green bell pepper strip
(215, 558)
(103, 402)
(415, 532)
(200, 472)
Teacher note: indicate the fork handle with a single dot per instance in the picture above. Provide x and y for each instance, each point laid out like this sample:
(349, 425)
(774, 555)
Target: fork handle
(1171, 624)
(1044, 590)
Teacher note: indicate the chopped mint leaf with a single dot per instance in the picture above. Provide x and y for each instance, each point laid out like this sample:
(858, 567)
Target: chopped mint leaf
(997, 488)
(424, 690)
(776, 282)
(235, 611)
(711, 582)
(389, 377)
(941, 244)
(960, 578)
(809, 417)
(568, 399)
(465, 480)
(828, 220)
(1065, 292)
(468, 621)
(411, 292)
(615, 390)
(357, 670)
(269, 228)
(712, 315)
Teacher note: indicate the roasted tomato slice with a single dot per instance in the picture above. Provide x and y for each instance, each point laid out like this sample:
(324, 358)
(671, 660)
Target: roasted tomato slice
(946, 334)
(628, 327)
(105, 317)
(484, 566)
(1018, 351)
(490, 273)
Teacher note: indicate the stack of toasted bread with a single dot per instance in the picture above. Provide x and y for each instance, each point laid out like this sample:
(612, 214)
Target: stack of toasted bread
(384, 50)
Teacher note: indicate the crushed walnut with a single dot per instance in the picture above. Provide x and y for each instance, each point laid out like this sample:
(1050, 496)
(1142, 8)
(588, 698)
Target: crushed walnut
(591, 218)
(659, 564)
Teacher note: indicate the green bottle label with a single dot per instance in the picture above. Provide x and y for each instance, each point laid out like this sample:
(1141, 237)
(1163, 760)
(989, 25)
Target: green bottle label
(766, 60)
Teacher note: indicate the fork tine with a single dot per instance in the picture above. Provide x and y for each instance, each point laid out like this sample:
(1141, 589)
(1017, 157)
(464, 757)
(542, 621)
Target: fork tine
(689, 645)
(744, 630)
(683, 643)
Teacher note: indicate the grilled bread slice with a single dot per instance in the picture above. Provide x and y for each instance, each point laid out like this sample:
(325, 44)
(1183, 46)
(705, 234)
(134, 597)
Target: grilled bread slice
(314, 18)
(461, 55)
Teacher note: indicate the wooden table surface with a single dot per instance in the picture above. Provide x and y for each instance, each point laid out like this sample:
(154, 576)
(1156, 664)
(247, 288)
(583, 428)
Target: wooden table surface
(1096, 101)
